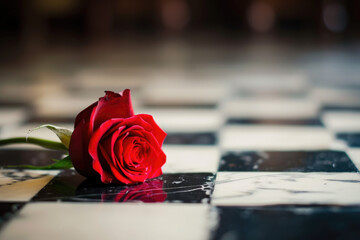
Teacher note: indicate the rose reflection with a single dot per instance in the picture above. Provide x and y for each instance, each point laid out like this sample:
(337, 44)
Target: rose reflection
(148, 192)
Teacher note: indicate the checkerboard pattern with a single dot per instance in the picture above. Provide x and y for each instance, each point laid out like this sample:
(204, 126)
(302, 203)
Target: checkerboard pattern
(269, 154)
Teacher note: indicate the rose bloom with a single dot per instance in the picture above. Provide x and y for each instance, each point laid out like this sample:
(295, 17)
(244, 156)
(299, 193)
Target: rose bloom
(112, 143)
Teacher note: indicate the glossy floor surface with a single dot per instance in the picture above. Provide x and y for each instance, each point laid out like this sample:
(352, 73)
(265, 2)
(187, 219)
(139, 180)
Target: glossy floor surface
(254, 151)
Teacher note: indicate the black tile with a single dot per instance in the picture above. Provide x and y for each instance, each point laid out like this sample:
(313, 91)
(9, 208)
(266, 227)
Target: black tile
(207, 138)
(8, 210)
(340, 108)
(297, 161)
(352, 139)
(28, 156)
(186, 188)
(288, 223)
(167, 105)
(300, 122)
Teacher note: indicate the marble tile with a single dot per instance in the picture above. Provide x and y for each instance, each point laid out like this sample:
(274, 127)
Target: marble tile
(271, 82)
(272, 137)
(291, 122)
(351, 139)
(185, 120)
(111, 79)
(270, 108)
(354, 154)
(12, 116)
(293, 161)
(189, 93)
(277, 188)
(22, 185)
(36, 157)
(191, 159)
(8, 210)
(329, 222)
(202, 138)
(60, 106)
(342, 121)
(171, 188)
(335, 97)
(98, 221)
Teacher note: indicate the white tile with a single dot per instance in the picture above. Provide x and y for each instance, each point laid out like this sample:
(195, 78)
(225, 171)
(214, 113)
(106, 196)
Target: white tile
(191, 159)
(354, 154)
(111, 79)
(184, 92)
(268, 81)
(269, 188)
(21, 186)
(185, 120)
(268, 137)
(341, 121)
(271, 108)
(336, 96)
(28, 91)
(11, 116)
(109, 221)
(61, 105)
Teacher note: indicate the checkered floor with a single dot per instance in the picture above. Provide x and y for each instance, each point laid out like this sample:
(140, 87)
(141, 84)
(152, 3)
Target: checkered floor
(258, 155)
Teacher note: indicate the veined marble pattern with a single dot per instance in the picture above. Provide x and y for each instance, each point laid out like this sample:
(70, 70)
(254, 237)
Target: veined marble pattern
(276, 188)
(22, 185)
(272, 137)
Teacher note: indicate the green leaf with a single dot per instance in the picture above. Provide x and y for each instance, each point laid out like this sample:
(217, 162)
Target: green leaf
(63, 134)
(64, 163)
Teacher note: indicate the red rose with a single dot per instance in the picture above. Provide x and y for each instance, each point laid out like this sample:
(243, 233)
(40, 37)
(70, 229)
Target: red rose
(110, 141)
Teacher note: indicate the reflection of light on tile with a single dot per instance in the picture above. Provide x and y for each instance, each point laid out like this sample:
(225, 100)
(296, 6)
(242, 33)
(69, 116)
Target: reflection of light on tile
(268, 137)
(342, 121)
(268, 188)
(111, 221)
(185, 159)
(185, 120)
(22, 185)
(267, 108)
(335, 17)
(261, 17)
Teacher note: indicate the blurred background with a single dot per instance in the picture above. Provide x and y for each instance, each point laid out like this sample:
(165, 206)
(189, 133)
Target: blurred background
(75, 49)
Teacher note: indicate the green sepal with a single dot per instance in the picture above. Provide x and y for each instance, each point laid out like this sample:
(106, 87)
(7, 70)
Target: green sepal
(63, 134)
(64, 163)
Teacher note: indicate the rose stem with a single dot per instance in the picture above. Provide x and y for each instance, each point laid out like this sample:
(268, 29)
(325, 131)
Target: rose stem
(37, 141)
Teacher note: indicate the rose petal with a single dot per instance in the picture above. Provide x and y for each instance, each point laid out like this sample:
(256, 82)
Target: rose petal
(78, 150)
(93, 148)
(113, 105)
(157, 131)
